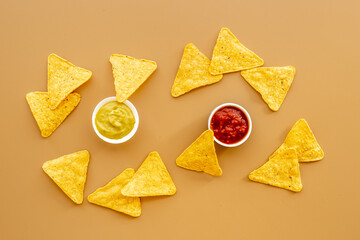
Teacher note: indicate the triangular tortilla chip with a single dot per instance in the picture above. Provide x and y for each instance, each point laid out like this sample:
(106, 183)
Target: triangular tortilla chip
(282, 170)
(193, 72)
(201, 155)
(129, 74)
(69, 173)
(63, 78)
(229, 55)
(271, 82)
(151, 179)
(48, 120)
(110, 195)
(303, 141)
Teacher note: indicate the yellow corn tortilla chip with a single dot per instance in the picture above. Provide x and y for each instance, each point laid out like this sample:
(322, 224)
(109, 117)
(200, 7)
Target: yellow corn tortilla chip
(48, 120)
(193, 72)
(282, 170)
(151, 179)
(129, 74)
(272, 83)
(303, 141)
(69, 173)
(110, 195)
(63, 78)
(229, 55)
(201, 155)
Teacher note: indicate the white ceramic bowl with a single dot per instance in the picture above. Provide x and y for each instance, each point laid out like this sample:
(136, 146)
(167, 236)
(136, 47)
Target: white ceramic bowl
(247, 116)
(127, 137)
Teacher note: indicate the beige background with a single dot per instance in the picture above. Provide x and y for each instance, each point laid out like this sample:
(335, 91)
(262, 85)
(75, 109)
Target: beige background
(320, 38)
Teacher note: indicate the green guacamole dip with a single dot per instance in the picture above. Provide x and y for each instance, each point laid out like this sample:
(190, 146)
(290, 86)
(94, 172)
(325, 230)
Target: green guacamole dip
(114, 120)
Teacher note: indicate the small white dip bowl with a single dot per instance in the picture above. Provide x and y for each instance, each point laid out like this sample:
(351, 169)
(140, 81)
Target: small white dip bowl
(247, 116)
(127, 137)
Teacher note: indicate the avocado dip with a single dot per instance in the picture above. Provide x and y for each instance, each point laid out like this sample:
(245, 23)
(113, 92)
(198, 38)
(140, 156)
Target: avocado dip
(114, 120)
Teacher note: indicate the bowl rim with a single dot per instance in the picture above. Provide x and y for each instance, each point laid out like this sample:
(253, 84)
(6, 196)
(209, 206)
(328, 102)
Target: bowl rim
(127, 137)
(244, 111)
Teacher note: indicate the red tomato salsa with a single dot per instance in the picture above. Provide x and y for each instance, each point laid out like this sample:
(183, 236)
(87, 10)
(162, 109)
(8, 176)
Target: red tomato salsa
(229, 125)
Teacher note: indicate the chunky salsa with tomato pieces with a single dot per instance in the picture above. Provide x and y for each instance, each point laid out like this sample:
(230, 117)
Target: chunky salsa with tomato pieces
(229, 125)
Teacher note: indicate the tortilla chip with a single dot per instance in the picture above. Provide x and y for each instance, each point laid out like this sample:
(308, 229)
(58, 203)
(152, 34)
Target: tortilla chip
(63, 78)
(229, 55)
(110, 195)
(303, 141)
(201, 155)
(69, 173)
(129, 74)
(272, 83)
(48, 120)
(193, 72)
(151, 179)
(282, 170)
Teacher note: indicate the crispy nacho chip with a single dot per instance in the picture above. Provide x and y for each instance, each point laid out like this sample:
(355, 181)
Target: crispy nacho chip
(151, 179)
(129, 74)
(303, 141)
(201, 155)
(193, 72)
(110, 195)
(282, 170)
(272, 83)
(229, 55)
(63, 78)
(69, 173)
(48, 120)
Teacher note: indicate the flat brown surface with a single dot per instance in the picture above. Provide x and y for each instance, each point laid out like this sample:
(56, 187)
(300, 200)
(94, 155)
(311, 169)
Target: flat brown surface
(320, 38)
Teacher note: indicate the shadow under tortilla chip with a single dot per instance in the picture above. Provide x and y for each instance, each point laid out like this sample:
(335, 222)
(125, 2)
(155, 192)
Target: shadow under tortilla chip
(201, 155)
(229, 55)
(151, 179)
(272, 83)
(63, 78)
(129, 73)
(110, 195)
(46, 118)
(282, 170)
(193, 72)
(303, 141)
(69, 173)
